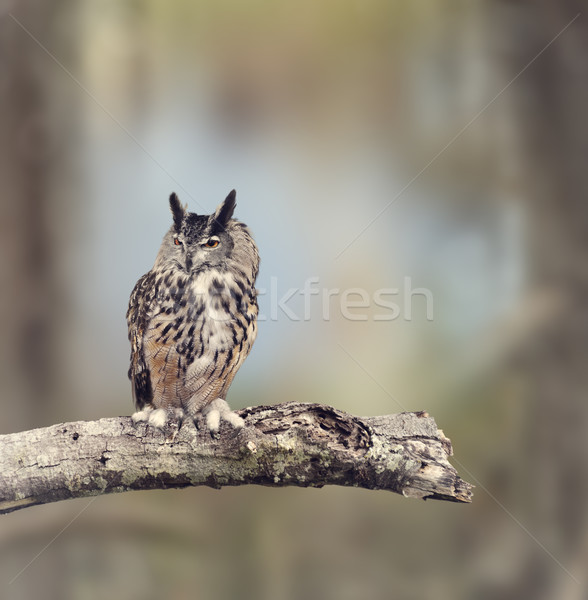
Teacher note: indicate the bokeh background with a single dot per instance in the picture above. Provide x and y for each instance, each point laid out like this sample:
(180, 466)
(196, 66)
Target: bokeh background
(370, 141)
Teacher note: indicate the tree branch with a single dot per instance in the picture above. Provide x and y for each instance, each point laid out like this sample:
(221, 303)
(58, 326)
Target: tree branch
(287, 444)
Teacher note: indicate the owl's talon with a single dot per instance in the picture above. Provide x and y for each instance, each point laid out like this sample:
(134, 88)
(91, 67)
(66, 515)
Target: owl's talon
(219, 410)
(141, 416)
(234, 419)
(158, 419)
(171, 437)
(213, 422)
(169, 422)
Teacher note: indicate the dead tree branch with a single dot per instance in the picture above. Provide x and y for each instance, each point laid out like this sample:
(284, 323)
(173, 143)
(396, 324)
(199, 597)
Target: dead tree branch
(288, 444)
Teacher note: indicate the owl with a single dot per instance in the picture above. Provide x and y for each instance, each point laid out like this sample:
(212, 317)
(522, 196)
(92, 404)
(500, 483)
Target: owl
(192, 319)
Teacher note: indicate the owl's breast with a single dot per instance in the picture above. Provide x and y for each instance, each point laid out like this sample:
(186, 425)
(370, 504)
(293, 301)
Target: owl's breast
(201, 333)
(223, 304)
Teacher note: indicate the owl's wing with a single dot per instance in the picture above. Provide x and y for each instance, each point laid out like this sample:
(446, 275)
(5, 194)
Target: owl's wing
(139, 314)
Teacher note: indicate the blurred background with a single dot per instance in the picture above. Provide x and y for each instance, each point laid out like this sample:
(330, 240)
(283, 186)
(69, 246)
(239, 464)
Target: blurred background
(374, 144)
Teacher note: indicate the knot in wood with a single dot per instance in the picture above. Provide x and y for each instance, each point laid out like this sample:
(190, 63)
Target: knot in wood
(317, 424)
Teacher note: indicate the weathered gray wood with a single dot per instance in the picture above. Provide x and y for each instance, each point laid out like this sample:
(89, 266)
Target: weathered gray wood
(287, 444)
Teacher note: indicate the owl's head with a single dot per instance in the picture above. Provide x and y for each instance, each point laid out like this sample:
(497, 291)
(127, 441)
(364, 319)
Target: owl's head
(198, 242)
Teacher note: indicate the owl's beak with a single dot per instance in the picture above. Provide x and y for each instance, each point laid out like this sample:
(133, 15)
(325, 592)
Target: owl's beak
(188, 263)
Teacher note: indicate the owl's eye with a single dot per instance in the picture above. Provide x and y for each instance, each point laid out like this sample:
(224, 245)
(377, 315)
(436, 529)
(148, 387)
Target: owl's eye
(177, 242)
(213, 242)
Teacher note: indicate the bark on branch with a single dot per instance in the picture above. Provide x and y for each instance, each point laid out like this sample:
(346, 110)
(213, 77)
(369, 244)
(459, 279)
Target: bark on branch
(287, 444)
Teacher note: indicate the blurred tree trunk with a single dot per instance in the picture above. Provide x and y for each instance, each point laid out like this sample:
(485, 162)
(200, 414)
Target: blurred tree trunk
(30, 306)
(552, 97)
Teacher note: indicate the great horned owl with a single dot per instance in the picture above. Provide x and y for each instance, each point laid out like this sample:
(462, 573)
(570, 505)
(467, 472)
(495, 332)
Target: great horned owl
(193, 318)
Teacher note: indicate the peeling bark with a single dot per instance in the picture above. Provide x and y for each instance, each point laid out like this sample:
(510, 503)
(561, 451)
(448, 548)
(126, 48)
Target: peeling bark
(308, 445)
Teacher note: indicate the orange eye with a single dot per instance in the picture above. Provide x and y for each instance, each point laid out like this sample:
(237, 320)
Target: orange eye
(212, 243)
(177, 242)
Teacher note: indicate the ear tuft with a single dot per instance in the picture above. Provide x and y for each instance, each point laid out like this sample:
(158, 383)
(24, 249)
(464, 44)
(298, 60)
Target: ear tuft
(178, 211)
(224, 212)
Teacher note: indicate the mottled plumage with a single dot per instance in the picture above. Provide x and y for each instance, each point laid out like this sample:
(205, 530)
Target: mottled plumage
(192, 318)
